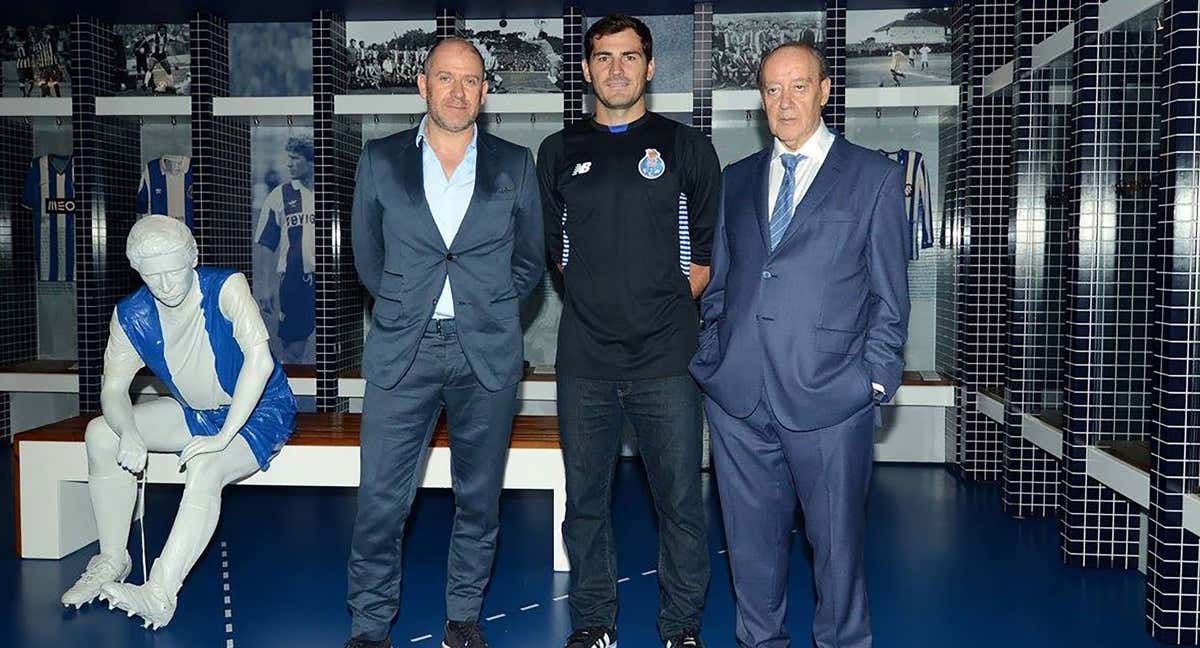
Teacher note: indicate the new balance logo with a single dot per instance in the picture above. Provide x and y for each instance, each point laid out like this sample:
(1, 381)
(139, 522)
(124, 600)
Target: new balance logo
(582, 168)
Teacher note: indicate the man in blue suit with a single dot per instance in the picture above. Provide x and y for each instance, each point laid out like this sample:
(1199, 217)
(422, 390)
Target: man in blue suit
(804, 321)
(447, 229)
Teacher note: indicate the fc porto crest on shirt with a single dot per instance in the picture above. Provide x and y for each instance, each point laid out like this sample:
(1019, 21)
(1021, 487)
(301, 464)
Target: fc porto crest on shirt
(652, 166)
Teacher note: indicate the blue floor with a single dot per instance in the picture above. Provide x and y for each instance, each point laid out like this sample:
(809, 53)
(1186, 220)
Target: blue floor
(946, 568)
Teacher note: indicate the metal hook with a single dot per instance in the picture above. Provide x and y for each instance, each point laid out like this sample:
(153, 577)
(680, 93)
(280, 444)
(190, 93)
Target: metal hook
(289, 121)
(878, 113)
(748, 118)
(412, 119)
(375, 119)
(141, 121)
(256, 123)
(532, 118)
(916, 111)
(174, 121)
(58, 121)
(498, 120)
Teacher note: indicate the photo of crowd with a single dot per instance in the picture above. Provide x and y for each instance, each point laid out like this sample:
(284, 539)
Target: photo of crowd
(386, 56)
(519, 55)
(35, 61)
(897, 47)
(152, 59)
(741, 40)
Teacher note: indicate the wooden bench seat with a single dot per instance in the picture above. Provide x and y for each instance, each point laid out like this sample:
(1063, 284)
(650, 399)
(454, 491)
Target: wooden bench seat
(54, 514)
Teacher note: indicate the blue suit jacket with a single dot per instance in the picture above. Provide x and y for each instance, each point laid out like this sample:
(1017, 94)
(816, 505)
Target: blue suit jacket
(810, 325)
(495, 259)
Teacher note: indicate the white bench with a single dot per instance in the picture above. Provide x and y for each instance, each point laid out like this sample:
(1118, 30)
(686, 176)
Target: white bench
(54, 512)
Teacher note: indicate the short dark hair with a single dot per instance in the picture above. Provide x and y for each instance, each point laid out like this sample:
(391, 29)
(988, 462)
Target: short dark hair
(822, 62)
(615, 24)
(453, 39)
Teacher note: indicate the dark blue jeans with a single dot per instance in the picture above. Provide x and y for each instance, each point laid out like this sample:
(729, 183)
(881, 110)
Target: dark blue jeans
(665, 416)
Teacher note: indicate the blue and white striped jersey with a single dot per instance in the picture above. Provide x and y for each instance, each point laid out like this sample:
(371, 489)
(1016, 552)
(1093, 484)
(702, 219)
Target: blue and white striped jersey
(50, 195)
(918, 199)
(166, 189)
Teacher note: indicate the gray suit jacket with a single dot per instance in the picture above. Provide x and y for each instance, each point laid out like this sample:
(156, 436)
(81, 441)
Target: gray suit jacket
(495, 259)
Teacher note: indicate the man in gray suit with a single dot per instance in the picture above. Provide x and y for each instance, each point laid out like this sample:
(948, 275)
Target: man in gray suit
(447, 238)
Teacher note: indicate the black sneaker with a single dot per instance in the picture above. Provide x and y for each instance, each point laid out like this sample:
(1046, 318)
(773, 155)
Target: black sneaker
(685, 639)
(361, 642)
(594, 637)
(461, 634)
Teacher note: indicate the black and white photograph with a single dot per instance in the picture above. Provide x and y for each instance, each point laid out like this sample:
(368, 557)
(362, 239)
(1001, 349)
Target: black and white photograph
(897, 47)
(152, 59)
(283, 242)
(35, 60)
(270, 59)
(519, 55)
(741, 40)
(386, 55)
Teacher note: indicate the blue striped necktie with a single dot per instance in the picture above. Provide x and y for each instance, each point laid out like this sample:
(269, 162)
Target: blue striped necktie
(781, 215)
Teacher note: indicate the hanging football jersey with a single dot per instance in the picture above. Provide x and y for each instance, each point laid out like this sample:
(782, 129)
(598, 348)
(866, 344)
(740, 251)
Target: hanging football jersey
(918, 199)
(166, 188)
(50, 195)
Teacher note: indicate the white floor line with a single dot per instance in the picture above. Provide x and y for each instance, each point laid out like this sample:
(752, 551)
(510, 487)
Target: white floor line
(227, 599)
(622, 580)
(421, 638)
(529, 607)
(496, 616)
(647, 573)
(559, 598)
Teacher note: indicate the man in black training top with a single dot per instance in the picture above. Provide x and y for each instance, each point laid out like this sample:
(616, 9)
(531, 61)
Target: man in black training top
(630, 199)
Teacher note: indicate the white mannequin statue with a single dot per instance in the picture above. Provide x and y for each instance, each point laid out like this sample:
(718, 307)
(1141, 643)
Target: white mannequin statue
(200, 332)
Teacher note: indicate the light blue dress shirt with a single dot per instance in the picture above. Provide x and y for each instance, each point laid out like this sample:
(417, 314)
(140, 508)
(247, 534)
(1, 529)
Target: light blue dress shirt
(448, 200)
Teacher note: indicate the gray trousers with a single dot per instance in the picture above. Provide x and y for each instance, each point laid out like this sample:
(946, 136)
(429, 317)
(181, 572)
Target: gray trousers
(762, 470)
(396, 428)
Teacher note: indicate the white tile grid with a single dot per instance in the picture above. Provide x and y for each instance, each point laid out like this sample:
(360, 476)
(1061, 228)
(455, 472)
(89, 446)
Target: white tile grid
(573, 84)
(1111, 294)
(1037, 269)
(1174, 592)
(983, 290)
(18, 301)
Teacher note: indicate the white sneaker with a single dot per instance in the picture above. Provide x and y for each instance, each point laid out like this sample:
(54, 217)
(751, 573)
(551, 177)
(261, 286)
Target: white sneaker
(100, 571)
(148, 601)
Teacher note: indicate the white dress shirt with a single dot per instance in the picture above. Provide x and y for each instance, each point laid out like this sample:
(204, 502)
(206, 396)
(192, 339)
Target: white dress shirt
(815, 150)
(448, 200)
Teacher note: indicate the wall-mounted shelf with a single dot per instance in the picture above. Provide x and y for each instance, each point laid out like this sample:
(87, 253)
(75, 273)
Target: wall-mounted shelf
(662, 102)
(35, 107)
(144, 106)
(412, 104)
(263, 106)
(1049, 50)
(902, 97)
(1000, 79)
(1115, 12)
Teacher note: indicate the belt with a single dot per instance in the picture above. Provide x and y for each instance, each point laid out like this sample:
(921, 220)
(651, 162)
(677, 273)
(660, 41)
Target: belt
(442, 326)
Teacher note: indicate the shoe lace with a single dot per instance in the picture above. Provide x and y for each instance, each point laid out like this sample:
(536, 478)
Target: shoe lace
(99, 568)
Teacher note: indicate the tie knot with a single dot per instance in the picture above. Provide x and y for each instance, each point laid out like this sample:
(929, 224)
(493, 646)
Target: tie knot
(790, 160)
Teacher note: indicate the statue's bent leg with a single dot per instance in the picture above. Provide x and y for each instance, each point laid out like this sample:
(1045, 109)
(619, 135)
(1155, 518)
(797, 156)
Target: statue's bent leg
(113, 491)
(199, 510)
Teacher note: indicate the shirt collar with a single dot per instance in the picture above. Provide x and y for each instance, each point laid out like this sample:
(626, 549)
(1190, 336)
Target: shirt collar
(421, 133)
(817, 146)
